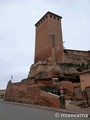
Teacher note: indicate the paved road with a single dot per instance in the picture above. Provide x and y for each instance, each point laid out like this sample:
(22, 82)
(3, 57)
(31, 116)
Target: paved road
(19, 112)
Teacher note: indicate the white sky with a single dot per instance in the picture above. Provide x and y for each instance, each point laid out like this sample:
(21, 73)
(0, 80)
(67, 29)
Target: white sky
(17, 31)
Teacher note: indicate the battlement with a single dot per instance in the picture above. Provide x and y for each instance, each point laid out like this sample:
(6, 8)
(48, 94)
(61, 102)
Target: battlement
(46, 16)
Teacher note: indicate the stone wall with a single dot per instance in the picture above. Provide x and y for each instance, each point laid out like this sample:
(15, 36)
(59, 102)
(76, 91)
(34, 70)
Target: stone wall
(76, 59)
(78, 52)
(19, 92)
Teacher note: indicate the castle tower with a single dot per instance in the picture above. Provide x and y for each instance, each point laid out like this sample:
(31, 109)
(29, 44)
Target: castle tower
(49, 38)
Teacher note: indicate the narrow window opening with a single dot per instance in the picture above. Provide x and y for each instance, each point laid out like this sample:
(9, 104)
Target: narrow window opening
(54, 17)
(50, 16)
(57, 18)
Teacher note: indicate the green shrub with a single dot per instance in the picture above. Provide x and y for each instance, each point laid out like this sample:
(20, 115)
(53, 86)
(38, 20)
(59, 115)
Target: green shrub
(48, 89)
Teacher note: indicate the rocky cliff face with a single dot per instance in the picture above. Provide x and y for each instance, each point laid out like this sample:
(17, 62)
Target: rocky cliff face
(47, 70)
(24, 93)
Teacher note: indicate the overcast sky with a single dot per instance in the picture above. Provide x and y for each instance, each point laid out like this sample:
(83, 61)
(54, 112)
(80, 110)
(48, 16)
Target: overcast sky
(17, 32)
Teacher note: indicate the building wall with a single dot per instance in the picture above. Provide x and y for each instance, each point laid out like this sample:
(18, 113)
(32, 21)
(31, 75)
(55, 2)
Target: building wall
(78, 93)
(85, 80)
(42, 43)
(88, 94)
(48, 37)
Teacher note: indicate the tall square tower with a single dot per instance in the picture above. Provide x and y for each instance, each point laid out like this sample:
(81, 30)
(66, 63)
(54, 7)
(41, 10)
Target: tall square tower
(49, 38)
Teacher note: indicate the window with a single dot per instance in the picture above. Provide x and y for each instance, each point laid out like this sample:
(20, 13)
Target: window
(50, 16)
(43, 19)
(58, 18)
(54, 17)
(46, 16)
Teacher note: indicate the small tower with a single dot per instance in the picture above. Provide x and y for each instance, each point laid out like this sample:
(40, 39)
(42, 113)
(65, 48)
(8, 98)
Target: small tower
(49, 38)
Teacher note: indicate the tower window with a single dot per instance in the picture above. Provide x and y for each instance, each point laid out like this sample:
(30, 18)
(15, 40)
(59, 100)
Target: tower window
(51, 16)
(57, 18)
(46, 16)
(38, 23)
(43, 19)
(54, 17)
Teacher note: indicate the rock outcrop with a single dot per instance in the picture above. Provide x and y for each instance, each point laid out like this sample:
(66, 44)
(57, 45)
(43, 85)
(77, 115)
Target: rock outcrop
(23, 93)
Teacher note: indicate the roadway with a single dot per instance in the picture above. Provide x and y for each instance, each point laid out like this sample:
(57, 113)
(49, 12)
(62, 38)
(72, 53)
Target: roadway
(11, 111)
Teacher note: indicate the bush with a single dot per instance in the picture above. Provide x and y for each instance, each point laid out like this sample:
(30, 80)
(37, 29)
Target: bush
(48, 89)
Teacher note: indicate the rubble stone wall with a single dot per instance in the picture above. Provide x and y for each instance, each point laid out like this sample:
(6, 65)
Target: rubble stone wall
(76, 59)
(78, 52)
